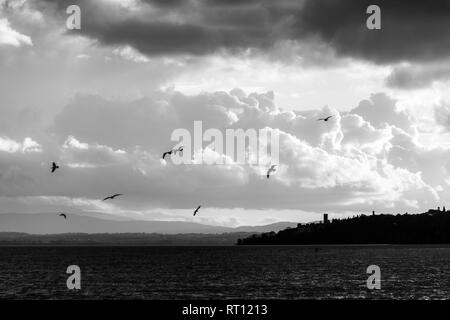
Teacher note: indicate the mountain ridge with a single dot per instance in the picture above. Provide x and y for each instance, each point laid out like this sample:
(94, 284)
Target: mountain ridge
(51, 223)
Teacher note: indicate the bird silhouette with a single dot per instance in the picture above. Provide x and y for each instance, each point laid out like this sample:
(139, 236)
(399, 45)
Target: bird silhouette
(113, 196)
(63, 215)
(54, 167)
(166, 153)
(324, 119)
(180, 149)
(271, 169)
(196, 210)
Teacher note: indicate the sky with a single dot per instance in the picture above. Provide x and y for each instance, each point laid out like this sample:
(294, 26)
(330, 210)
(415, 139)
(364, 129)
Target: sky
(104, 100)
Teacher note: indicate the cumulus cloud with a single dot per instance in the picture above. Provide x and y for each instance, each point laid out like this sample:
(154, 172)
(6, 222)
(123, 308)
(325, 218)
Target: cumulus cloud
(362, 134)
(360, 160)
(12, 146)
(351, 162)
(380, 110)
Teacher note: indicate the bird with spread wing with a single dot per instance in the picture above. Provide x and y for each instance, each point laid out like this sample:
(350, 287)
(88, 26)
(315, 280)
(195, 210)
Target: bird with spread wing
(325, 119)
(174, 151)
(113, 196)
(54, 167)
(271, 169)
(180, 149)
(167, 153)
(196, 210)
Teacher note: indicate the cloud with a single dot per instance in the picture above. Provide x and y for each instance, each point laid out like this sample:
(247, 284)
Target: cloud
(9, 36)
(160, 28)
(412, 31)
(417, 76)
(412, 42)
(380, 110)
(146, 122)
(11, 146)
(442, 115)
(128, 53)
(432, 163)
(357, 132)
(360, 160)
(76, 154)
(8, 145)
(351, 162)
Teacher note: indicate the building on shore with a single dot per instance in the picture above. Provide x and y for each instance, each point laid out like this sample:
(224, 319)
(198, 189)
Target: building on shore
(438, 210)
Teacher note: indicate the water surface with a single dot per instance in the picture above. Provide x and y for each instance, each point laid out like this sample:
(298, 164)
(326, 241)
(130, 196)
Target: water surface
(248, 272)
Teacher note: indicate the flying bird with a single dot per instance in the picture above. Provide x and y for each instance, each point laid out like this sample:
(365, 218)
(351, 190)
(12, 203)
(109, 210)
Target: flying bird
(113, 196)
(325, 119)
(196, 210)
(271, 169)
(63, 215)
(54, 167)
(166, 153)
(180, 149)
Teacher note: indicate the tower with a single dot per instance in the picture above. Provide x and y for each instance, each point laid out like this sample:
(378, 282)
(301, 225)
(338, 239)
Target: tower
(325, 218)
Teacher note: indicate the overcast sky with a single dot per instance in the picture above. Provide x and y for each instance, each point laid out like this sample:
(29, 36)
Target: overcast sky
(103, 101)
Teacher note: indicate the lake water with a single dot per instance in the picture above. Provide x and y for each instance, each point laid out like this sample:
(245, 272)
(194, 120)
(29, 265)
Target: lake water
(282, 272)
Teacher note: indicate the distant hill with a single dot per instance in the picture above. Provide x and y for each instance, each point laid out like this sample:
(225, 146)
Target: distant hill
(51, 223)
(121, 239)
(432, 227)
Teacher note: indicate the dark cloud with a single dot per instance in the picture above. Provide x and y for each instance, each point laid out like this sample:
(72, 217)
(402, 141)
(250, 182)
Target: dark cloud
(410, 30)
(182, 27)
(158, 38)
(168, 3)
